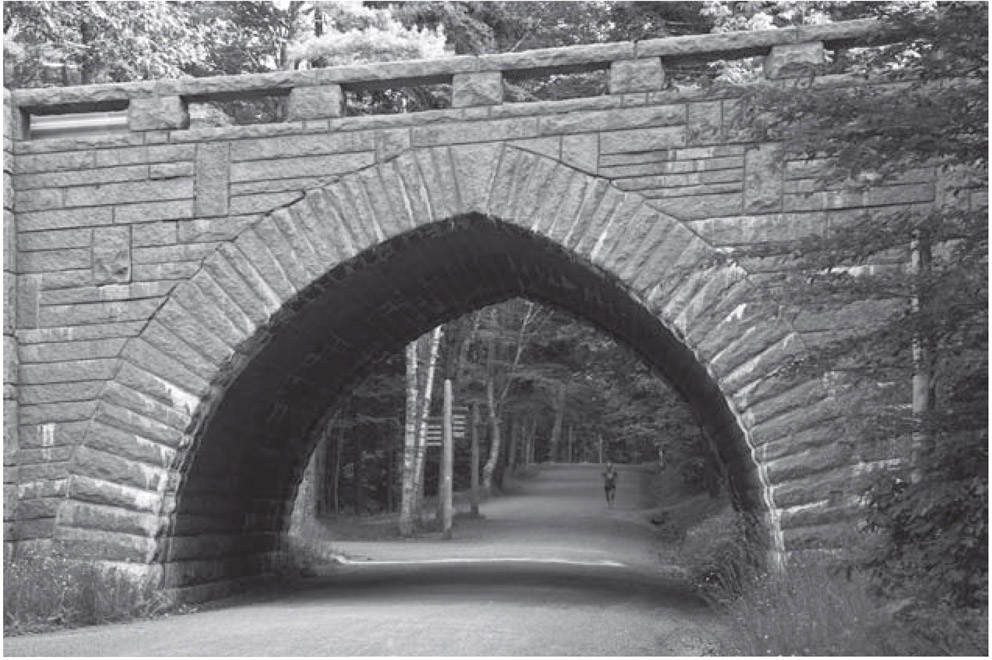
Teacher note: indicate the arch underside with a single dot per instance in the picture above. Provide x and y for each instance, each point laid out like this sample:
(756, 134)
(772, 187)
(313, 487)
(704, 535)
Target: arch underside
(253, 446)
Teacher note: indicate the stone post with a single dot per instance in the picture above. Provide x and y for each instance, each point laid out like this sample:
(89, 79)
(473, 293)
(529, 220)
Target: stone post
(11, 442)
(631, 76)
(794, 60)
(157, 113)
(323, 102)
(483, 88)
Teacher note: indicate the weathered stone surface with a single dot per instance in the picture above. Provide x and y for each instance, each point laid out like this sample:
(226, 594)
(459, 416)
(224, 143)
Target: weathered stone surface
(645, 75)
(664, 137)
(127, 192)
(468, 132)
(762, 180)
(213, 170)
(705, 122)
(472, 89)
(164, 112)
(581, 152)
(111, 255)
(795, 60)
(316, 102)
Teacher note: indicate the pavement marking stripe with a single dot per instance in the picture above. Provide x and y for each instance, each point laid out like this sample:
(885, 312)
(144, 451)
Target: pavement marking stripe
(471, 560)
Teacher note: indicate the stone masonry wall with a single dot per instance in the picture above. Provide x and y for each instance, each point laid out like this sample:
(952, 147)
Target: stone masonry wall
(107, 227)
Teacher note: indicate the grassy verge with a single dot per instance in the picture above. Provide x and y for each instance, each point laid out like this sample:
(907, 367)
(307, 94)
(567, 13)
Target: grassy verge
(50, 592)
(816, 605)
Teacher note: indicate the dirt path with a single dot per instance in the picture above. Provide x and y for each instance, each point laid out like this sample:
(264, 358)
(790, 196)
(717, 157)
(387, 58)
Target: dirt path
(556, 513)
(549, 571)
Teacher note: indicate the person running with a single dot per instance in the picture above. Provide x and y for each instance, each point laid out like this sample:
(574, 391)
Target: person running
(610, 484)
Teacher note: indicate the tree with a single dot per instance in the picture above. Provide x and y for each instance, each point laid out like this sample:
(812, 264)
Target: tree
(71, 43)
(931, 119)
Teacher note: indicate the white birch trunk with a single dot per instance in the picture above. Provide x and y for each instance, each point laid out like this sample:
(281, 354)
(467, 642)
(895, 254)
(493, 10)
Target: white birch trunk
(408, 492)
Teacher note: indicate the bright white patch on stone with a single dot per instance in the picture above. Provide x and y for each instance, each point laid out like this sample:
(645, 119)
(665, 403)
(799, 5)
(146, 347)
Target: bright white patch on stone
(47, 435)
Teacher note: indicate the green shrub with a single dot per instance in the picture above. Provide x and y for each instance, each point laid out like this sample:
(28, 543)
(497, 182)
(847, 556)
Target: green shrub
(721, 555)
(812, 608)
(41, 593)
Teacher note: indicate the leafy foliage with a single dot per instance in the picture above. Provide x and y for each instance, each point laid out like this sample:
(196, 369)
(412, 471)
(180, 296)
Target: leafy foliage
(931, 319)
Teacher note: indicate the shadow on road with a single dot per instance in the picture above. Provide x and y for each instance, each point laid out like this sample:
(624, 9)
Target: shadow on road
(508, 582)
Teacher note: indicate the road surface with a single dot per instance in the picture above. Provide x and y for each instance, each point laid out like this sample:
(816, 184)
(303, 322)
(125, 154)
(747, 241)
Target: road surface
(549, 571)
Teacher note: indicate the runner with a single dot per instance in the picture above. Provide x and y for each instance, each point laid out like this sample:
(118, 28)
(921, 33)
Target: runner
(610, 483)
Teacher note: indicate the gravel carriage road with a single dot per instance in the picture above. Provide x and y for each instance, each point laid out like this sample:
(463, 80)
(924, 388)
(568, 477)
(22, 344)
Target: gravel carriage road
(549, 571)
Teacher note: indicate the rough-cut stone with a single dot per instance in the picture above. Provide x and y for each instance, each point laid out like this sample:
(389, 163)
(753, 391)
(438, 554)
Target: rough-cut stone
(165, 112)
(644, 75)
(316, 102)
(762, 180)
(472, 89)
(794, 60)
(270, 263)
(111, 255)
(213, 173)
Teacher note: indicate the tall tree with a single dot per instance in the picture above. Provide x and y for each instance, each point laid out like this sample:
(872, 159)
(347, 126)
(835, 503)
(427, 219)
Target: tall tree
(931, 120)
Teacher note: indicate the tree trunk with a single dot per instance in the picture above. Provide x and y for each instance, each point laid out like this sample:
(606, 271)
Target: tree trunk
(559, 418)
(475, 460)
(511, 458)
(408, 493)
(923, 382)
(494, 446)
(425, 393)
(339, 445)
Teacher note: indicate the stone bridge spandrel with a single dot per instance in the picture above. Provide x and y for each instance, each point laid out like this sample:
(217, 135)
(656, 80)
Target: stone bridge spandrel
(183, 304)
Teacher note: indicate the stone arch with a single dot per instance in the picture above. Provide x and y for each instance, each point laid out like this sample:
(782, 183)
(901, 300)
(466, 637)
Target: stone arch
(139, 481)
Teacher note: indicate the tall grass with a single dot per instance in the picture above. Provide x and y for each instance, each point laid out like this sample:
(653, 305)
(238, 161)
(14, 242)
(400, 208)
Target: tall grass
(50, 591)
(815, 605)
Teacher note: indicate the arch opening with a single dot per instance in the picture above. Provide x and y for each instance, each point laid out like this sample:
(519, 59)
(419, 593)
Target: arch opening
(254, 434)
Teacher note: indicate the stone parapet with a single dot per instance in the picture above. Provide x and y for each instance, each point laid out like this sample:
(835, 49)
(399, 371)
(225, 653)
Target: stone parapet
(419, 72)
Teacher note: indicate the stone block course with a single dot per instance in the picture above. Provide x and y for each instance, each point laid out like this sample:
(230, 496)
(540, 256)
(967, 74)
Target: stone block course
(124, 193)
(252, 204)
(471, 132)
(82, 177)
(611, 120)
(663, 137)
(46, 413)
(53, 316)
(126, 213)
(174, 271)
(53, 260)
(64, 219)
(39, 200)
(213, 229)
(154, 234)
(54, 239)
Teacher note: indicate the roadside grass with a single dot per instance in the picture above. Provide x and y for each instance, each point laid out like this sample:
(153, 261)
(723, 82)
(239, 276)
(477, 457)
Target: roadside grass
(816, 605)
(49, 592)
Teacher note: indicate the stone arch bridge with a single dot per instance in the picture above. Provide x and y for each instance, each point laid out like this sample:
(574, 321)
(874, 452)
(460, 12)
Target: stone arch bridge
(183, 304)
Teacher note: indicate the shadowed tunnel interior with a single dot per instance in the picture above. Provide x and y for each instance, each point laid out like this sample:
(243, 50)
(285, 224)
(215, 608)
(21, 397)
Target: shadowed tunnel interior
(254, 434)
